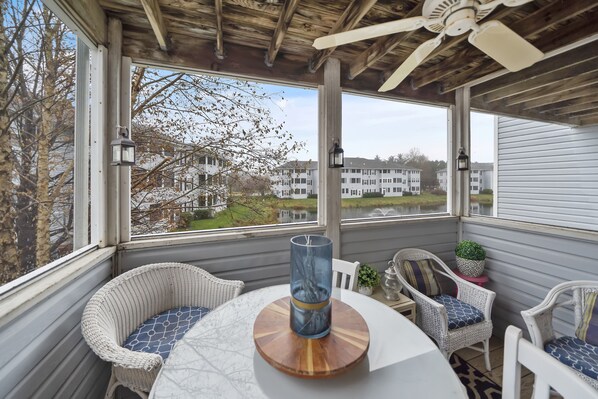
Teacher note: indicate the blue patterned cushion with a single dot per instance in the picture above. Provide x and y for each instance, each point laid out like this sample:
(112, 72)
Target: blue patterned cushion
(159, 333)
(575, 353)
(587, 330)
(460, 314)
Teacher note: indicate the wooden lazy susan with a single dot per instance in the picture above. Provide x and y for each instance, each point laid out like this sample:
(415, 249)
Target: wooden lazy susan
(345, 346)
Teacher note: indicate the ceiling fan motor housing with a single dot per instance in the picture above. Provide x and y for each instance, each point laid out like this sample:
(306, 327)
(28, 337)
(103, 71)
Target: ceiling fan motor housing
(460, 21)
(457, 16)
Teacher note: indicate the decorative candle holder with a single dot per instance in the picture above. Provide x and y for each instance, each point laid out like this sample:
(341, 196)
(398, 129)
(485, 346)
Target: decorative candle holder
(311, 285)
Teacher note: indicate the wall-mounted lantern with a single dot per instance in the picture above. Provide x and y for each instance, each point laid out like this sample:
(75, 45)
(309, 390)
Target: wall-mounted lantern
(336, 156)
(123, 148)
(462, 160)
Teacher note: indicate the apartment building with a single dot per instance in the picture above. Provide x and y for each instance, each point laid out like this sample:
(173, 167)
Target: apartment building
(299, 179)
(480, 177)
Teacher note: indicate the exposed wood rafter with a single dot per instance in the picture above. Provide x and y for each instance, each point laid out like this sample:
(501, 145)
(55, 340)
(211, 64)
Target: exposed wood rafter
(152, 10)
(351, 17)
(542, 83)
(286, 15)
(548, 66)
(571, 88)
(219, 51)
(499, 108)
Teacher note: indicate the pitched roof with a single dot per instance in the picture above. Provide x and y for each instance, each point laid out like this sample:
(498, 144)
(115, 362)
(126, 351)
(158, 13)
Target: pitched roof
(355, 163)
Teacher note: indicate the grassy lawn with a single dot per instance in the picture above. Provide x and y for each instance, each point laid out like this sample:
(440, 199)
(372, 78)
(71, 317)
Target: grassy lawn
(260, 211)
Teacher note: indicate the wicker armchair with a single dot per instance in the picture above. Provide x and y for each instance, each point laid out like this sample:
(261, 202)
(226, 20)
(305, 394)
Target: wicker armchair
(128, 300)
(539, 318)
(432, 316)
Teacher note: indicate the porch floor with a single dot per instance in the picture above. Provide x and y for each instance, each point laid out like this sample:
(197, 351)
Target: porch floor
(476, 359)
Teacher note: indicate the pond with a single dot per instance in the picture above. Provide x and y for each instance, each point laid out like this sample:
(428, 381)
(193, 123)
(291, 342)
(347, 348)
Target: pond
(303, 215)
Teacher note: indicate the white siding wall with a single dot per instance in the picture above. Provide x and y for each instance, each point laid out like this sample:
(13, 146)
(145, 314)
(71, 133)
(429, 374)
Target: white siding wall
(548, 173)
(264, 261)
(44, 355)
(524, 263)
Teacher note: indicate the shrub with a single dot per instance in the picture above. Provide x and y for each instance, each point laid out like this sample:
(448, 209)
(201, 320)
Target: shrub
(312, 195)
(407, 193)
(438, 191)
(487, 191)
(470, 250)
(185, 219)
(368, 276)
(372, 195)
(202, 214)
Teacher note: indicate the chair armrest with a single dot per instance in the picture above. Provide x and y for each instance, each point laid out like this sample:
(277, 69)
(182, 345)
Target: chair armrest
(539, 324)
(431, 315)
(476, 296)
(106, 347)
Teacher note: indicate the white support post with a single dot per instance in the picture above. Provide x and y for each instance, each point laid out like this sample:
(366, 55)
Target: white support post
(329, 126)
(112, 121)
(451, 171)
(462, 127)
(125, 172)
(99, 60)
(81, 156)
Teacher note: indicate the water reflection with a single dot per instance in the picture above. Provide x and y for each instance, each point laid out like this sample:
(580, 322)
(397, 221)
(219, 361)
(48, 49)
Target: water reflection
(303, 215)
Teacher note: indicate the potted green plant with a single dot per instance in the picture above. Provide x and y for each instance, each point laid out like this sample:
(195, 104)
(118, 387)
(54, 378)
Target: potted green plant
(471, 258)
(367, 279)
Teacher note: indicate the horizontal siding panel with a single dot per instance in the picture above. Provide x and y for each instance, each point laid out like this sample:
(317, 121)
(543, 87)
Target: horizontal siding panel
(43, 347)
(523, 266)
(260, 262)
(555, 166)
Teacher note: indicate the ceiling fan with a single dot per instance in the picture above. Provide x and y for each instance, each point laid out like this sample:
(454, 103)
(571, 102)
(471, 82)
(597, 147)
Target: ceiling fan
(452, 18)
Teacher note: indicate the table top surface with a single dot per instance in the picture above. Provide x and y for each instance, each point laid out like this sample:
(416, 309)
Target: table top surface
(480, 279)
(217, 358)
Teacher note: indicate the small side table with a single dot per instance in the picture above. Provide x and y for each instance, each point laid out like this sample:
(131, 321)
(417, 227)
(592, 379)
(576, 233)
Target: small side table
(404, 305)
(480, 280)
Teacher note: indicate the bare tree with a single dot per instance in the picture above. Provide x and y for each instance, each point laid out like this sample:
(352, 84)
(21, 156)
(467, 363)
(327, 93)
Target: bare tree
(8, 245)
(39, 59)
(187, 120)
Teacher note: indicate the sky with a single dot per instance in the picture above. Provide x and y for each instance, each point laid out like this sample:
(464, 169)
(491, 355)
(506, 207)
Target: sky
(376, 127)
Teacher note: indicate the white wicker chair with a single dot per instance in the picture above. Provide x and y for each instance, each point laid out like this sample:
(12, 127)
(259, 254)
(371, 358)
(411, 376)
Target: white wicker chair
(344, 274)
(539, 318)
(548, 371)
(120, 306)
(432, 317)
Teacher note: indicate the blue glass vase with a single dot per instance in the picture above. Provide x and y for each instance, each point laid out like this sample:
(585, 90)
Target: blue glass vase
(311, 285)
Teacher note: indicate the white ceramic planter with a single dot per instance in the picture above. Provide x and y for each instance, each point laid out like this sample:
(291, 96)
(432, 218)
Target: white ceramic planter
(365, 290)
(471, 268)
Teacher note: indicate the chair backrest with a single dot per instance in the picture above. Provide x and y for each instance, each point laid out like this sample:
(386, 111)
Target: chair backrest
(344, 274)
(548, 371)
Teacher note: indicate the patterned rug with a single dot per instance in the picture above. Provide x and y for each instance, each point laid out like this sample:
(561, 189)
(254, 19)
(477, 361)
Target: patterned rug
(478, 385)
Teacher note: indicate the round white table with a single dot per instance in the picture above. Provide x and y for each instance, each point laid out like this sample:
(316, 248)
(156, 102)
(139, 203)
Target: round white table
(217, 358)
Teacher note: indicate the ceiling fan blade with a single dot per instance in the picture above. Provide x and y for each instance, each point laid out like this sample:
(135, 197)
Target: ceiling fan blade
(355, 35)
(491, 5)
(505, 46)
(416, 58)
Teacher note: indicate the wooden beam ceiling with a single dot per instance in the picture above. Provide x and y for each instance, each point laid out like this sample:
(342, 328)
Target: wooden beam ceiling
(272, 41)
(152, 10)
(546, 67)
(286, 15)
(350, 18)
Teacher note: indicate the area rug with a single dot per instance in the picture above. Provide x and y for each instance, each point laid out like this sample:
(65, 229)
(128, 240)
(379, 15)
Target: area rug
(478, 385)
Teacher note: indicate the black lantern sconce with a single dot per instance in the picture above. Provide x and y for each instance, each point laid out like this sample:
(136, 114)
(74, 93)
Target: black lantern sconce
(336, 156)
(462, 160)
(123, 148)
